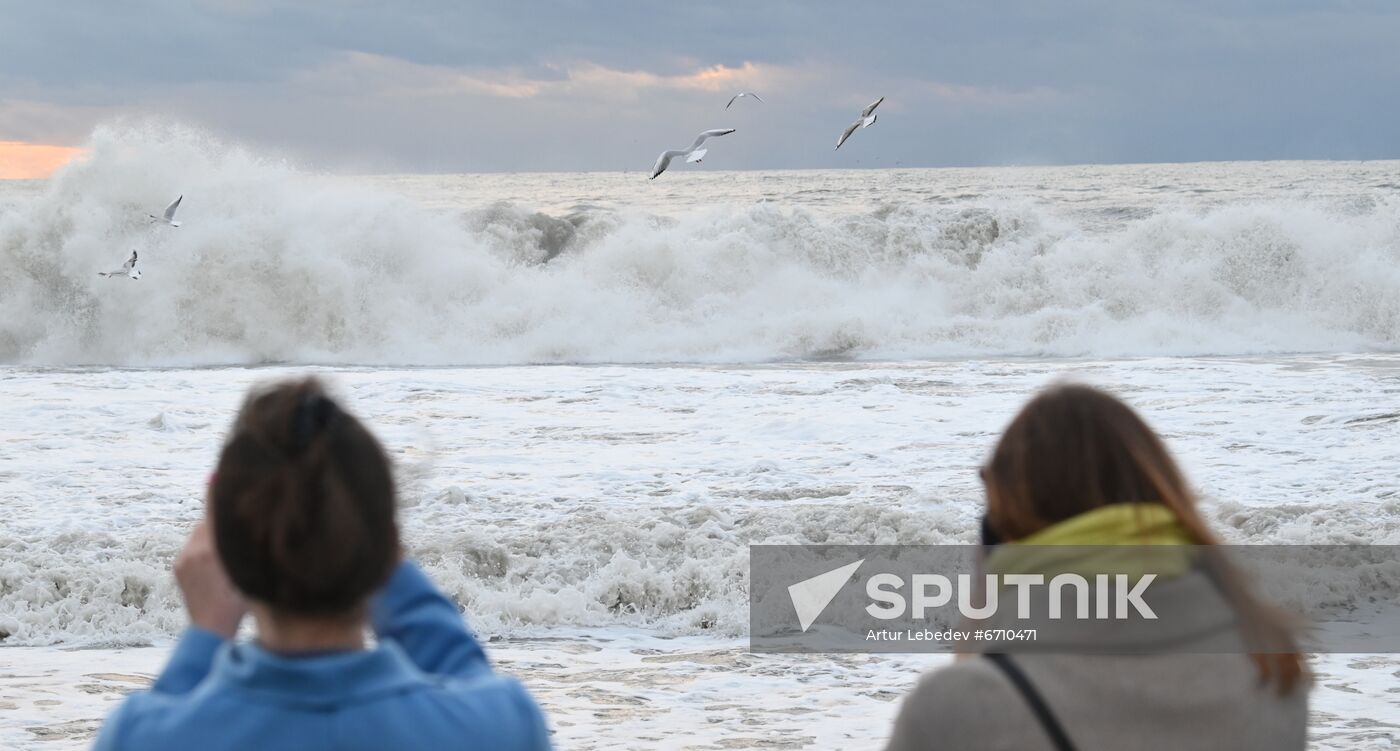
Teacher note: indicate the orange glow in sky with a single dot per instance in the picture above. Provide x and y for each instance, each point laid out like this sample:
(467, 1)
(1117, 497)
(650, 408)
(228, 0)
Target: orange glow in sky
(28, 161)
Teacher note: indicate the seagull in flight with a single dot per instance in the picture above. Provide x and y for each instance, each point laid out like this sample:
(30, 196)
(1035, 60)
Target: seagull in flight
(169, 217)
(127, 269)
(867, 119)
(692, 154)
(741, 95)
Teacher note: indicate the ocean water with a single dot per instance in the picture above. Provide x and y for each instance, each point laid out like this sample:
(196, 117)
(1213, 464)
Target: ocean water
(599, 390)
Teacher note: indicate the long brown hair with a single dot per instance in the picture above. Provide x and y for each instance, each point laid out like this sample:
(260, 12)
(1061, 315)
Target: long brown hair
(303, 503)
(1075, 448)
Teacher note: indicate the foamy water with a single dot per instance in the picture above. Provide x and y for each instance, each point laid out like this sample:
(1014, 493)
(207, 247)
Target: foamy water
(627, 496)
(756, 358)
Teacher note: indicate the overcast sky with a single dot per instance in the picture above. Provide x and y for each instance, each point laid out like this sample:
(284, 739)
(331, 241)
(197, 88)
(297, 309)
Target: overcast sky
(569, 85)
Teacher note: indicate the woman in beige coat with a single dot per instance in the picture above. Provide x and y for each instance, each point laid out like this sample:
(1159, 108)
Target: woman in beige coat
(1078, 467)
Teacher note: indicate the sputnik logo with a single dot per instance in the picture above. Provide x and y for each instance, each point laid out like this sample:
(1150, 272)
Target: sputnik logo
(811, 596)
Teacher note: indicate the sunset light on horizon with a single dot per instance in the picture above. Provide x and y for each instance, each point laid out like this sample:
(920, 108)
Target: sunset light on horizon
(20, 160)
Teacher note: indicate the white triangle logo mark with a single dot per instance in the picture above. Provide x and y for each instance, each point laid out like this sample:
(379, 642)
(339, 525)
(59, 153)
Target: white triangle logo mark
(811, 596)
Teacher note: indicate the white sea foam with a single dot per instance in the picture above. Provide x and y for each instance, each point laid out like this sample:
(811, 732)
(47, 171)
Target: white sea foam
(547, 497)
(273, 265)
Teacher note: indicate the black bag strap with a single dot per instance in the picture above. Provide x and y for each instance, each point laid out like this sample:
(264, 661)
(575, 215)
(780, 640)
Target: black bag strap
(1023, 685)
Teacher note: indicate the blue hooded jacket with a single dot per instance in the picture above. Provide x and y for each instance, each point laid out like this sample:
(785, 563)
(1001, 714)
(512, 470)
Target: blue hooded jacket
(426, 685)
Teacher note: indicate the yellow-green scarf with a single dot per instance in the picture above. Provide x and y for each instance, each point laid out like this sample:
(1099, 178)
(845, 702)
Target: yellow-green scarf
(1093, 533)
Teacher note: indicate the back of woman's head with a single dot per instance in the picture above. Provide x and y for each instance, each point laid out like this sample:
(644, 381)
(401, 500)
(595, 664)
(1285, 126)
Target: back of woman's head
(303, 503)
(1075, 448)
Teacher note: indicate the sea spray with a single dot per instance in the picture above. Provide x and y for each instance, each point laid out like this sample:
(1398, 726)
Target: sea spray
(273, 265)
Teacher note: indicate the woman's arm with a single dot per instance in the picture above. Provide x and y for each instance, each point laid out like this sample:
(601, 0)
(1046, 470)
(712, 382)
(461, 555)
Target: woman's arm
(190, 661)
(412, 612)
(215, 609)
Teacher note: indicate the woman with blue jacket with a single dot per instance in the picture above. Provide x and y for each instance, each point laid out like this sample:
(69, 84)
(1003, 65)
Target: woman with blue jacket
(300, 530)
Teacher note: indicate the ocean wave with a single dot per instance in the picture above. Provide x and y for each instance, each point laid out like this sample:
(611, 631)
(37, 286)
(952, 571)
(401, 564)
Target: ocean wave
(275, 265)
(674, 571)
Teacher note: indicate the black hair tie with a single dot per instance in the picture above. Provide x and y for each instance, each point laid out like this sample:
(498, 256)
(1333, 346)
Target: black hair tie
(310, 418)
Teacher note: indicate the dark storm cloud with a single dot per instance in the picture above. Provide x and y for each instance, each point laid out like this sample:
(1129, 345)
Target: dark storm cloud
(474, 86)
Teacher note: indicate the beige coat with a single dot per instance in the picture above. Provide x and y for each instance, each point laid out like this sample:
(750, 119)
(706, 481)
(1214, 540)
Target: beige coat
(1173, 699)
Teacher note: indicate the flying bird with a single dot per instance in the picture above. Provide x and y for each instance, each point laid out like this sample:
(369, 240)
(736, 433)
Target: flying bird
(741, 95)
(127, 269)
(169, 217)
(692, 154)
(867, 119)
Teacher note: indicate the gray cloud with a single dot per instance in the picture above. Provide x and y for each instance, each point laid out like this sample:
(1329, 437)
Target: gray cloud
(447, 86)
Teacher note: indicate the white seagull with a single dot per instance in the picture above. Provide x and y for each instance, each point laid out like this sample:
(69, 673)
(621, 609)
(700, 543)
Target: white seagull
(741, 95)
(169, 217)
(692, 154)
(867, 119)
(127, 269)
